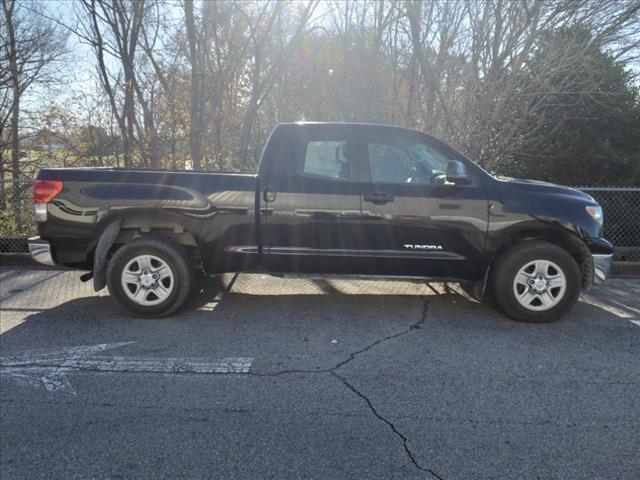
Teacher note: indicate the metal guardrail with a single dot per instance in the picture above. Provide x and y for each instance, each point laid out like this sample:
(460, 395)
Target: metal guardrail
(621, 206)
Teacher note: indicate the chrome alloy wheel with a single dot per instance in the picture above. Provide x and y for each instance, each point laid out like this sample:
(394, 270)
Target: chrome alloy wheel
(539, 285)
(147, 280)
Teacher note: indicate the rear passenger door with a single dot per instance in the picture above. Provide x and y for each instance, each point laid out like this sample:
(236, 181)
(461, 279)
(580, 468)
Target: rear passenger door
(311, 214)
(415, 223)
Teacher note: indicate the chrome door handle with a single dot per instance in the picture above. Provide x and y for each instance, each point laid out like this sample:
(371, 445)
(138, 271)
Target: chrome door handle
(378, 198)
(269, 195)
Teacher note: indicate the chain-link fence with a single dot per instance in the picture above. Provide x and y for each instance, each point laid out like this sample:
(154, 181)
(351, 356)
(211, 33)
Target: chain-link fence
(17, 221)
(621, 208)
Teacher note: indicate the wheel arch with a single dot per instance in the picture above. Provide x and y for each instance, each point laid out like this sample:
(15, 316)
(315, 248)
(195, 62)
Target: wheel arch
(566, 239)
(157, 224)
(126, 227)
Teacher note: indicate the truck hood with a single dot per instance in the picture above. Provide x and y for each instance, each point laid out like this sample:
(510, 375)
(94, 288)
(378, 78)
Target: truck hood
(545, 188)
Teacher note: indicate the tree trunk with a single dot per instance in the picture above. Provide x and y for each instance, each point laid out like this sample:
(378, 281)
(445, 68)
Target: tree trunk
(194, 130)
(15, 121)
(245, 136)
(15, 110)
(129, 115)
(2, 189)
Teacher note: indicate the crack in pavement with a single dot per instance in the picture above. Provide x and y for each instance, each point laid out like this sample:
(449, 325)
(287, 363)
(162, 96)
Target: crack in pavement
(352, 356)
(103, 364)
(415, 326)
(394, 429)
(376, 413)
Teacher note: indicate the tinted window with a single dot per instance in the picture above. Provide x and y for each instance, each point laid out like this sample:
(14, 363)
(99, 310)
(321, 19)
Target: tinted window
(400, 159)
(326, 158)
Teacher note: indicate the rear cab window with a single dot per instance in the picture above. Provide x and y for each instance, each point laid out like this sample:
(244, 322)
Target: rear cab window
(316, 157)
(326, 155)
(326, 159)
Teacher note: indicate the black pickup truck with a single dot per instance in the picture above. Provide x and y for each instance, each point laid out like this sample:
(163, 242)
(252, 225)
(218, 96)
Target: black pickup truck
(328, 199)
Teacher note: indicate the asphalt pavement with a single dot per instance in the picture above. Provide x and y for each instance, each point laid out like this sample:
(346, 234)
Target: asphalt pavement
(322, 379)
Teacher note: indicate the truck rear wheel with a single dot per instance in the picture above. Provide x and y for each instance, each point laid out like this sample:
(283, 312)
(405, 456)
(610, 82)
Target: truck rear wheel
(150, 277)
(536, 282)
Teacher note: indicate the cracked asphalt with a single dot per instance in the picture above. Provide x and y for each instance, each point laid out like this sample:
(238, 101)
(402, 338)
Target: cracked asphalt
(347, 379)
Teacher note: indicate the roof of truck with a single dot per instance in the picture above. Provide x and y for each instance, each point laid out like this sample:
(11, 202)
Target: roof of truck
(357, 124)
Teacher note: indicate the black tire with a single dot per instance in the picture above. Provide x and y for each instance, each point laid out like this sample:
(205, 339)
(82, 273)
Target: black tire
(171, 254)
(517, 257)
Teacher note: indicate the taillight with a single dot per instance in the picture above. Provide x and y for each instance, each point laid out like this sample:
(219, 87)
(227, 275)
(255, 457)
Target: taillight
(46, 190)
(43, 192)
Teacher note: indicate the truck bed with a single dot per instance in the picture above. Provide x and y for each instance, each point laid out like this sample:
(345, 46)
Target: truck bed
(92, 198)
(203, 182)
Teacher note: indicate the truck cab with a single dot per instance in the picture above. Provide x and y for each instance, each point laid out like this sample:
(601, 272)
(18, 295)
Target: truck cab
(371, 200)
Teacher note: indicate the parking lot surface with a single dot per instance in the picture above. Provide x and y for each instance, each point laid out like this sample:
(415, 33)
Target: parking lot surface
(303, 378)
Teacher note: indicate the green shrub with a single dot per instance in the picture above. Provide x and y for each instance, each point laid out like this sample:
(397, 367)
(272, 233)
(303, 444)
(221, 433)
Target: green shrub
(20, 223)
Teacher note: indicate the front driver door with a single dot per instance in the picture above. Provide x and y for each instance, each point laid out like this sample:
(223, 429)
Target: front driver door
(312, 208)
(415, 223)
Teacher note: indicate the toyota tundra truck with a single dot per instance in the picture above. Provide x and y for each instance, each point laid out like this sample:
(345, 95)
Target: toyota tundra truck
(328, 199)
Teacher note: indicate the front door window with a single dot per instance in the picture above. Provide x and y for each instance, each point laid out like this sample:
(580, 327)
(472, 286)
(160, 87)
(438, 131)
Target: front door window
(398, 159)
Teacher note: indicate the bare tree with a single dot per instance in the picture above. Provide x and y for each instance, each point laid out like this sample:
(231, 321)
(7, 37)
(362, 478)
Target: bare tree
(196, 112)
(475, 65)
(30, 44)
(162, 110)
(207, 81)
(264, 74)
(113, 29)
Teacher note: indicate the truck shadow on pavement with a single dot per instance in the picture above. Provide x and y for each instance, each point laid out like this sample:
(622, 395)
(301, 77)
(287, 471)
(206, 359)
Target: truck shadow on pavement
(251, 321)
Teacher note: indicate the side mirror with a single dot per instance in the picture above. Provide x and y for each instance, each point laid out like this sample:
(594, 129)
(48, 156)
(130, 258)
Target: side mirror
(457, 173)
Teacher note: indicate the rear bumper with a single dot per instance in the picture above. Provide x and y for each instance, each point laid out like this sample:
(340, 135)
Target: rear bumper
(601, 267)
(40, 251)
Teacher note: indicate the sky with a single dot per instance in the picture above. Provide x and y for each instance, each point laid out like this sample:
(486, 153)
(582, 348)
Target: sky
(78, 68)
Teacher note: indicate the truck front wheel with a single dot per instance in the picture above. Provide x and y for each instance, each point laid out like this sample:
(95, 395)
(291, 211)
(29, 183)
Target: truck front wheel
(536, 282)
(150, 277)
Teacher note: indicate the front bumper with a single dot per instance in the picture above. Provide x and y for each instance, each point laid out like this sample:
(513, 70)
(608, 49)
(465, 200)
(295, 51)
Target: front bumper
(40, 251)
(601, 267)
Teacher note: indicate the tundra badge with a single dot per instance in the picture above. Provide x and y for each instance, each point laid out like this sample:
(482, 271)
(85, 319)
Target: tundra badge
(422, 247)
